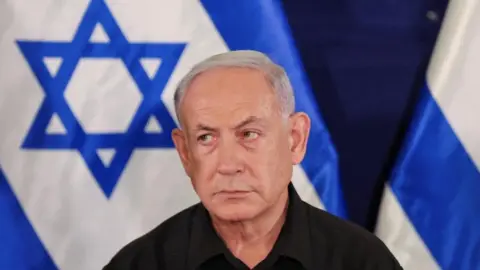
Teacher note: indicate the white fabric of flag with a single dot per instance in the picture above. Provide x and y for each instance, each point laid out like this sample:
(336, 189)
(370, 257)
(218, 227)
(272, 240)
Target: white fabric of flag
(87, 163)
(430, 214)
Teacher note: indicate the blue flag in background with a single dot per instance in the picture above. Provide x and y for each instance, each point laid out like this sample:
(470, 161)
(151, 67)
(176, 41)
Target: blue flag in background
(87, 109)
(430, 214)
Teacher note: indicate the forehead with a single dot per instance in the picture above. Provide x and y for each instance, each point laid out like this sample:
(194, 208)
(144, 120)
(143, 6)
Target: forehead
(229, 94)
(230, 81)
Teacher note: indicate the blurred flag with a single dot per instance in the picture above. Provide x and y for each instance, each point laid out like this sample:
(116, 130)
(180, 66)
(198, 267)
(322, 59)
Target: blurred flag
(430, 215)
(86, 113)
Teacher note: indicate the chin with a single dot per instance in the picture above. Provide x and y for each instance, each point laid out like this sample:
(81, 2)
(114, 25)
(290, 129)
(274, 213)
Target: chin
(235, 211)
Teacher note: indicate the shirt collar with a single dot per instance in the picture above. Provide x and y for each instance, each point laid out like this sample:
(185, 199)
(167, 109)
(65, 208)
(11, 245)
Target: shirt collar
(293, 242)
(204, 241)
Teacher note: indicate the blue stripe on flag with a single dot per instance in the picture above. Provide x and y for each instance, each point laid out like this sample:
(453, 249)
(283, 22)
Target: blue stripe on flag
(261, 26)
(438, 186)
(20, 247)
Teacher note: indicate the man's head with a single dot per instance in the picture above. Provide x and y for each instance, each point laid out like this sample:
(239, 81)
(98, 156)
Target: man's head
(239, 136)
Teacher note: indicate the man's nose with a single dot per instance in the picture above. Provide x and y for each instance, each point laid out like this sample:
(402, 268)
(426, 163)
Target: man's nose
(229, 159)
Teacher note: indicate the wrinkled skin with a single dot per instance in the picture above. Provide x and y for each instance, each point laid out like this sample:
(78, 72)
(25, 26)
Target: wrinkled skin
(235, 145)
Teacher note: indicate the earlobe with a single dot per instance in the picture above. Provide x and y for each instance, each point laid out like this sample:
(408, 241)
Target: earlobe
(300, 130)
(179, 139)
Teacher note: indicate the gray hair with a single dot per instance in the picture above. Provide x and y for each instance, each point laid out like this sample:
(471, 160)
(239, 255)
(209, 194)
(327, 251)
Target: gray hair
(274, 74)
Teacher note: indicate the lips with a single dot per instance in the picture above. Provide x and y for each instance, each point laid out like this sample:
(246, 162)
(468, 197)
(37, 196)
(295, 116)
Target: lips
(233, 193)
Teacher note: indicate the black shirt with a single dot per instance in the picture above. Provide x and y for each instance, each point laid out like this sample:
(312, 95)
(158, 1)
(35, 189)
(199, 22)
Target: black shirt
(310, 239)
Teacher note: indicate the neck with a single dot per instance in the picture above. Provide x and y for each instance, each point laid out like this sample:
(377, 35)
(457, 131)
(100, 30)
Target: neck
(252, 240)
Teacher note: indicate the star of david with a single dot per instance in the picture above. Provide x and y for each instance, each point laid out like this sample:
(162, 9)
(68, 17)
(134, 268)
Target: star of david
(75, 137)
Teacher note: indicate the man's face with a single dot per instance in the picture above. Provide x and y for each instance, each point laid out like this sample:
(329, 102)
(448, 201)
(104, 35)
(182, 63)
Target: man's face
(235, 146)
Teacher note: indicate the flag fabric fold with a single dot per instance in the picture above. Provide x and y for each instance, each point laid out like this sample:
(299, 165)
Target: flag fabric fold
(430, 213)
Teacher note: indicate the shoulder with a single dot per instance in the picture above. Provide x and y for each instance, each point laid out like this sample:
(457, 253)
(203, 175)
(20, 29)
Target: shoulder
(147, 251)
(349, 243)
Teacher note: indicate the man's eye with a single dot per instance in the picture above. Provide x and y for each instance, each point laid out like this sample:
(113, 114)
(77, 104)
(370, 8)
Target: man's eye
(205, 138)
(250, 135)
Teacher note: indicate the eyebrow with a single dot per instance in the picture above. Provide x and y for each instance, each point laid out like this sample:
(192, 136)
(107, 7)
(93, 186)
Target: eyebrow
(204, 127)
(249, 120)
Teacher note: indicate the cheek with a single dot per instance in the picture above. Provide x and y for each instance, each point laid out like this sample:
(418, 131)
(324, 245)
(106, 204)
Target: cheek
(270, 165)
(276, 154)
(203, 170)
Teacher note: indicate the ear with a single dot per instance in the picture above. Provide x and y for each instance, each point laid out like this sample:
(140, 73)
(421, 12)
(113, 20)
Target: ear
(300, 130)
(180, 141)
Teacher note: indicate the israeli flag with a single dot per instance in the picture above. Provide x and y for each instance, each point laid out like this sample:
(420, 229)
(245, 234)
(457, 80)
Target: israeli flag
(87, 163)
(430, 215)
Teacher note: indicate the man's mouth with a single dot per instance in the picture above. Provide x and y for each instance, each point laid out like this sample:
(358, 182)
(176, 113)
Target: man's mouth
(233, 194)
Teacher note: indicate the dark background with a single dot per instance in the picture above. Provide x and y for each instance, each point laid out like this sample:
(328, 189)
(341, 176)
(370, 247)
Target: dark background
(366, 61)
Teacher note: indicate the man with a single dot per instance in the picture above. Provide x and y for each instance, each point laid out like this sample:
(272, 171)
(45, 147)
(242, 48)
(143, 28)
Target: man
(238, 142)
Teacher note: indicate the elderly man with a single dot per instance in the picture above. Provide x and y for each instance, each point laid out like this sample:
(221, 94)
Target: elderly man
(238, 142)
